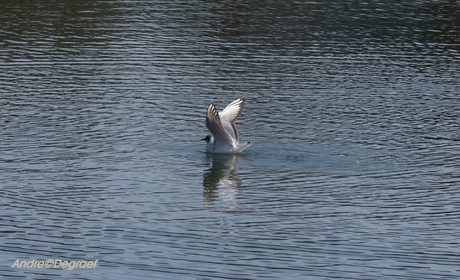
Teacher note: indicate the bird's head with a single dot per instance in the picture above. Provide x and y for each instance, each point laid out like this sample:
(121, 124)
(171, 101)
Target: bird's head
(207, 138)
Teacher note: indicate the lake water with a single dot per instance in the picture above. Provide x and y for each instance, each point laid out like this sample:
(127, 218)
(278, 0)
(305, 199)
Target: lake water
(353, 107)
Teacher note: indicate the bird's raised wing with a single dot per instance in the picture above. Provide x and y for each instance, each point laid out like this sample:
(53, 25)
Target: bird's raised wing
(219, 133)
(230, 114)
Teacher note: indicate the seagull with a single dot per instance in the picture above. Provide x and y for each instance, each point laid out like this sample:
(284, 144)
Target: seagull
(224, 136)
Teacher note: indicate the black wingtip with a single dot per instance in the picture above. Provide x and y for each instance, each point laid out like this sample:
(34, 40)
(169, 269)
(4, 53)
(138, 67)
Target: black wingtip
(213, 110)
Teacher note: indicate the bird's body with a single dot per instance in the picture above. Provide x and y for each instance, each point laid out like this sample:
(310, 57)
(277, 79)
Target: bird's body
(224, 136)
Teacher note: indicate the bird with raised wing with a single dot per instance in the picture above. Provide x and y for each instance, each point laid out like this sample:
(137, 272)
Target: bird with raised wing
(224, 136)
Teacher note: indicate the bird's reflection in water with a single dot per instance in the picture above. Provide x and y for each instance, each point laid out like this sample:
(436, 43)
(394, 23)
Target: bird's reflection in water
(220, 181)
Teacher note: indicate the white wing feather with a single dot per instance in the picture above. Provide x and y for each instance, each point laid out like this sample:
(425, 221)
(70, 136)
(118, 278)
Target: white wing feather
(219, 133)
(229, 115)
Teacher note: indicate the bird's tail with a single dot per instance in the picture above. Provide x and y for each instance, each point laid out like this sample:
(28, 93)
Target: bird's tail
(242, 147)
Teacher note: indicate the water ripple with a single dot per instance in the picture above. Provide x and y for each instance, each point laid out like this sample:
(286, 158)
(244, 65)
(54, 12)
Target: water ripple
(352, 107)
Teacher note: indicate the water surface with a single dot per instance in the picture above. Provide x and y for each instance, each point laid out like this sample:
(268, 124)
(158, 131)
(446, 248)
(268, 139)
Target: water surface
(353, 108)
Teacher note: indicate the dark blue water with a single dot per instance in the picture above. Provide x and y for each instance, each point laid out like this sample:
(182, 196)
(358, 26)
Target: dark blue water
(353, 108)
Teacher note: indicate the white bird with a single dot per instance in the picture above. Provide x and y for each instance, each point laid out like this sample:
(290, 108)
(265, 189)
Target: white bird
(224, 136)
